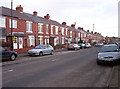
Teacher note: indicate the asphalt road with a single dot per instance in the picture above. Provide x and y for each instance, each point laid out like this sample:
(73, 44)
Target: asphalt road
(63, 69)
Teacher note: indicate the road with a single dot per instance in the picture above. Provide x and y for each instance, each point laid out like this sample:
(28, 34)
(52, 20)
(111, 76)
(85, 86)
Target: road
(63, 69)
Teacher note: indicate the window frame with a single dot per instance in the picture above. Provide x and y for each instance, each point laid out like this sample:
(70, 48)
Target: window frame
(3, 22)
(47, 28)
(29, 28)
(40, 28)
(14, 23)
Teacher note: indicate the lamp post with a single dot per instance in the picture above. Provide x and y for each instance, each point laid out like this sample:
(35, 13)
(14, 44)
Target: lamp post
(11, 25)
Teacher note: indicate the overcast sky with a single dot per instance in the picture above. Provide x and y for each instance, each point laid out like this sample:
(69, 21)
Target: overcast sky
(102, 13)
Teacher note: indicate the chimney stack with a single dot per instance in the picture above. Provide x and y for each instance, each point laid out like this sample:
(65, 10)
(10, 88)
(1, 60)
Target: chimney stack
(87, 30)
(80, 28)
(19, 8)
(73, 25)
(95, 33)
(64, 23)
(92, 32)
(35, 13)
(47, 16)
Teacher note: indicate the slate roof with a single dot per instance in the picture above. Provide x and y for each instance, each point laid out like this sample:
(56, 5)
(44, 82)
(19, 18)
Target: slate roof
(15, 14)
(39, 19)
(29, 17)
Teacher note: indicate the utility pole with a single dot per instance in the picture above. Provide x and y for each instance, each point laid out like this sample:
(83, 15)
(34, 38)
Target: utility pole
(11, 25)
(93, 28)
(75, 34)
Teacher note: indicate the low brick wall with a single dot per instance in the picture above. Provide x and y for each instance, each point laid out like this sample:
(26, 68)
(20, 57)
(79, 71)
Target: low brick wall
(22, 50)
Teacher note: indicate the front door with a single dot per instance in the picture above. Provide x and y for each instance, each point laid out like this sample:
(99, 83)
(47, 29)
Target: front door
(20, 42)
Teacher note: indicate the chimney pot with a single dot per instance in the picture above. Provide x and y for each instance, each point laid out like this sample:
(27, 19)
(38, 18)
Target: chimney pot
(19, 8)
(47, 16)
(73, 25)
(35, 13)
(63, 23)
(80, 28)
(95, 33)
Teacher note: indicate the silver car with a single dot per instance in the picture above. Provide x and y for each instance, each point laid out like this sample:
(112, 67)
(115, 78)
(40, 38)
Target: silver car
(73, 47)
(108, 53)
(41, 50)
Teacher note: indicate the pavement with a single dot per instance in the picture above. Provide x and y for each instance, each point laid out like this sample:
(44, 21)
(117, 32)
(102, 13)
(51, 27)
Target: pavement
(114, 80)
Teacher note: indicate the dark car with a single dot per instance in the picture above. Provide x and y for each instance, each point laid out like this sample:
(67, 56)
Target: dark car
(7, 55)
(82, 45)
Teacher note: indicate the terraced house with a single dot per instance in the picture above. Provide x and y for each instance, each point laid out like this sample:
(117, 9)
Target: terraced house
(28, 30)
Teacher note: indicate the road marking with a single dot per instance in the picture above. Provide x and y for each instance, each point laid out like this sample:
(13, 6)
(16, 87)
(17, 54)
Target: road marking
(55, 59)
(11, 70)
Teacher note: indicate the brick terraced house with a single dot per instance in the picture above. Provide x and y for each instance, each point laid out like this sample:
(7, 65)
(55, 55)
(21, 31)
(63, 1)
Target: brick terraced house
(29, 30)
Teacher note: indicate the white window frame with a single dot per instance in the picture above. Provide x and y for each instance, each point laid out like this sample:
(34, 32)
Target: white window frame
(85, 35)
(63, 40)
(46, 39)
(40, 28)
(2, 21)
(78, 34)
(40, 38)
(47, 29)
(52, 28)
(66, 31)
(62, 31)
(56, 30)
(31, 40)
(14, 23)
(56, 41)
(29, 28)
(70, 33)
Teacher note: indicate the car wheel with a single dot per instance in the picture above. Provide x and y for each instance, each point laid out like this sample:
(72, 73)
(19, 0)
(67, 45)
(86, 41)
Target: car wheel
(12, 57)
(98, 62)
(51, 52)
(41, 54)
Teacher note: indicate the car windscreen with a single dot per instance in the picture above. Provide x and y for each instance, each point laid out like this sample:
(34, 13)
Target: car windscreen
(109, 49)
(71, 44)
(39, 47)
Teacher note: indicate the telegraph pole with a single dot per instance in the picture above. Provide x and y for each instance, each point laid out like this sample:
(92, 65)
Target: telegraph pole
(11, 25)
(93, 28)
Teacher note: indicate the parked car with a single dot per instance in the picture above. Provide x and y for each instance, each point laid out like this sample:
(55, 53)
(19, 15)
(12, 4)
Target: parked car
(108, 53)
(82, 45)
(7, 55)
(98, 44)
(87, 45)
(73, 47)
(41, 50)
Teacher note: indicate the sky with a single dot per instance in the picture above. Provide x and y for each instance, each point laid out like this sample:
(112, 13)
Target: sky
(102, 13)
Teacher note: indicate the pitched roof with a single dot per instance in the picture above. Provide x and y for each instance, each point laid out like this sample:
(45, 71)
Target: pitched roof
(39, 19)
(15, 14)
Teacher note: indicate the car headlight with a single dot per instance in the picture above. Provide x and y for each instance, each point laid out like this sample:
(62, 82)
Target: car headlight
(100, 57)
